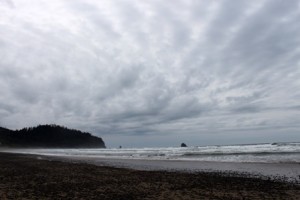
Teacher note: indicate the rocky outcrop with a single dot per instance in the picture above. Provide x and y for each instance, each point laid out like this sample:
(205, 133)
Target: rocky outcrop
(183, 145)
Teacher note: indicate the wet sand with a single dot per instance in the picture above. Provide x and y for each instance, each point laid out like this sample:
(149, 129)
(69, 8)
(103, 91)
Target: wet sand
(283, 171)
(26, 177)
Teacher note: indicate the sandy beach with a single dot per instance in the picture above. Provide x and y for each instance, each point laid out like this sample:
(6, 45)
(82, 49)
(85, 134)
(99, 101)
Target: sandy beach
(26, 177)
(280, 171)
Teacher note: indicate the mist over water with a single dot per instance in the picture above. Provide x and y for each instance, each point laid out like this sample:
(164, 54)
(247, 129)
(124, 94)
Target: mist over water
(254, 153)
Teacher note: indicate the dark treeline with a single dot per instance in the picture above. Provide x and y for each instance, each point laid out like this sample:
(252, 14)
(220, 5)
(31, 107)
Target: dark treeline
(49, 136)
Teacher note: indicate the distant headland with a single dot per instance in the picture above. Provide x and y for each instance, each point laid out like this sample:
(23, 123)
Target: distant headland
(49, 136)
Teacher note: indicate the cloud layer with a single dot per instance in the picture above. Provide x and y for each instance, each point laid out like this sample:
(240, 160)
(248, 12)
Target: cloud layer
(152, 68)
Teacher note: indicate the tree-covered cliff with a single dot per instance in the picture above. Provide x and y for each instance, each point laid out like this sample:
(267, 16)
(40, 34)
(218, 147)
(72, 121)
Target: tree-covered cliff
(49, 136)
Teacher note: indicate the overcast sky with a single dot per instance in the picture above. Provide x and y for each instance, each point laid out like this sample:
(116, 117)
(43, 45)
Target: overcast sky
(153, 72)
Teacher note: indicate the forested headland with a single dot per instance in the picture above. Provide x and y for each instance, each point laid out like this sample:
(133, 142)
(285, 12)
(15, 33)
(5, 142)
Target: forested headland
(49, 136)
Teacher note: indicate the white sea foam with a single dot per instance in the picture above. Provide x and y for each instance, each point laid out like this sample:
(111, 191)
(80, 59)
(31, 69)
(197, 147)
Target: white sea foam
(261, 153)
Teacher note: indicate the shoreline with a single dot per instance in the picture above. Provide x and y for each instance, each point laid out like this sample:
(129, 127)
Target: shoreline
(25, 176)
(289, 172)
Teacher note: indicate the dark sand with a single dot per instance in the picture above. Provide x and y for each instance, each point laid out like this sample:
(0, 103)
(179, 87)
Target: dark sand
(25, 177)
(283, 171)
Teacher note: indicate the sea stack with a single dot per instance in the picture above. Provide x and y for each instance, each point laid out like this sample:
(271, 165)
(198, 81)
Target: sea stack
(183, 145)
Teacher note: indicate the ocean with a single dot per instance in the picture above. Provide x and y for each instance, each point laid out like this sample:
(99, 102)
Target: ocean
(250, 153)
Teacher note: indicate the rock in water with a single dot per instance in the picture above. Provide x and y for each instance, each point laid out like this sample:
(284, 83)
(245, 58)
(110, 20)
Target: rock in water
(183, 145)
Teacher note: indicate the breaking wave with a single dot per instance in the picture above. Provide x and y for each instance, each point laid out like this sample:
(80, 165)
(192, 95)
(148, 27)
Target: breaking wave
(260, 153)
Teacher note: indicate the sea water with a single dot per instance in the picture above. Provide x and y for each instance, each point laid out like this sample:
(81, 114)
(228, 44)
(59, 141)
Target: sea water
(250, 153)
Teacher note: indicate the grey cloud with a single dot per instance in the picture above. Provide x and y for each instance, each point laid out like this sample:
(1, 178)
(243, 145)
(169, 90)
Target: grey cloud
(151, 68)
(229, 14)
(260, 32)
